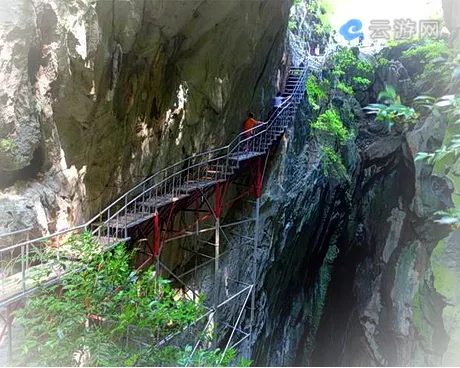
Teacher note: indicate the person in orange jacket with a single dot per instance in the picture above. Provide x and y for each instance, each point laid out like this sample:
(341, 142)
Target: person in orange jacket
(249, 124)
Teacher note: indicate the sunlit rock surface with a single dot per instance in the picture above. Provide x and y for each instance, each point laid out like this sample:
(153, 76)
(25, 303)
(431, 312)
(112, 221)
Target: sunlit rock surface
(113, 91)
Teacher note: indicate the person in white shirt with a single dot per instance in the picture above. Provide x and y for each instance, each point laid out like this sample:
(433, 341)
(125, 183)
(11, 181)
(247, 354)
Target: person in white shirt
(277, 103)
(278, 100)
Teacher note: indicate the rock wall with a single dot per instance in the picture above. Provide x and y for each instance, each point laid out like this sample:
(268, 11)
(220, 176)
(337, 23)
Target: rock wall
(451, 10)
(368, 278)
(97, 95)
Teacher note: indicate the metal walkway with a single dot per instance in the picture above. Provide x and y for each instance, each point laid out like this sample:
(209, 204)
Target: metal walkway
(153, 200)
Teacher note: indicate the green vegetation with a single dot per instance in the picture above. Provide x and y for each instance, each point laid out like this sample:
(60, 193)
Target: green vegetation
(92, 315)
(329, 130)
(428, 51)
(7, 144)
(321, 9)
(332, 163)
(390, 111)
(292, 24)
(382, 61)
(315, 94)
(403, 43)
(445, 280)
(436, 58)
(351, 72)
(446, 107)
(330, 124)
(361, 83)
(446, 158)
(344, 88)
(450, 217)
(347, 61)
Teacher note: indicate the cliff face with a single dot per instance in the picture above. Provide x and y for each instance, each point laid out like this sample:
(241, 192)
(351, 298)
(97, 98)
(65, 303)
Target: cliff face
(354, 273)
(97, 95)
(368, 277)
(451, 10)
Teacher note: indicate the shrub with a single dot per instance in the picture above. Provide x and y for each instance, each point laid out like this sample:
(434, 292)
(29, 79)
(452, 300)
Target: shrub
(361, 83)
(383, 61)
(344, 88)
(89, 316)
(428, 51)
(351, 71)
(7, 144)
(448, 108)
(391, 111)
(330, 123)
(314, 92)
(435, 56)
(332, 163)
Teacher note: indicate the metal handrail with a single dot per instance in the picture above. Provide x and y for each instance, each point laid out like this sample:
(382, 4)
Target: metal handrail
(233, 146)
(169, 181)
(16, 232)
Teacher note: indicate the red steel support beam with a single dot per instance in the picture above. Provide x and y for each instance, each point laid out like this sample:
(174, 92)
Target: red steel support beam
(156, 234)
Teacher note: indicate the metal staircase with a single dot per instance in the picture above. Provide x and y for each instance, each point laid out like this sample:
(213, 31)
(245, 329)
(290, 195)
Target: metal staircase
(153, 198)
(174, 183)
(178, 181)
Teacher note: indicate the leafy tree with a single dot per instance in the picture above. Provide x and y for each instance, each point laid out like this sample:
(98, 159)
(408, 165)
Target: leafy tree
(91, 317)
(349, 70)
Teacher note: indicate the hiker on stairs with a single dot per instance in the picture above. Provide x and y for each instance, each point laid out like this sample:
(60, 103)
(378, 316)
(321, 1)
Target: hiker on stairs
(277, 102)
(249, 124)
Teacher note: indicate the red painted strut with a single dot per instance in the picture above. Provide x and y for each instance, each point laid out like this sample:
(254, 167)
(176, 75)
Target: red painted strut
(156, 235)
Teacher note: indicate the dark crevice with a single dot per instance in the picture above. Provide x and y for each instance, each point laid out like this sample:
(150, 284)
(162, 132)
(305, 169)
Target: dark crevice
(30, 172)
(34, 61)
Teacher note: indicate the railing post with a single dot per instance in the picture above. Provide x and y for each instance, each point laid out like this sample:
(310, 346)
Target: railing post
(100, 222)
(23, 268)
(143, 200)
(187, 172)
(27, 248)
(9, 320)
(156, 243)
(258, 192)
(126, 217)
(108, 227)
(217, 214)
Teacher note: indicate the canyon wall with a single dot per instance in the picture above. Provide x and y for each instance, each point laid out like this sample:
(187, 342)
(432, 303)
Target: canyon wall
(96, 95)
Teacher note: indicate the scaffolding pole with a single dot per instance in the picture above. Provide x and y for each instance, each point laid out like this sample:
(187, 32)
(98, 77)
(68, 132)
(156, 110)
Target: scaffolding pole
(258, 192)
(9, 320)
(254, 263)
(217, 213)
(156, 243)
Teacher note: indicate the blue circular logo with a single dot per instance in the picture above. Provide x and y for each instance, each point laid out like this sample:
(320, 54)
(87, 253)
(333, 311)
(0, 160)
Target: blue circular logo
(352, 29)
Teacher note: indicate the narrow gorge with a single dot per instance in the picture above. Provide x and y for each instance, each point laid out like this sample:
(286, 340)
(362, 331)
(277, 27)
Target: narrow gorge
(357, 237)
